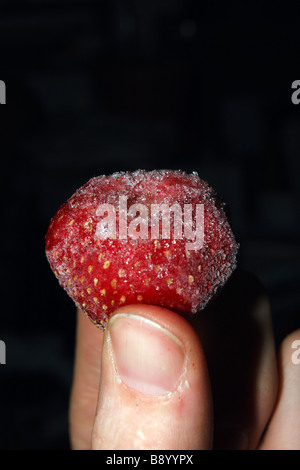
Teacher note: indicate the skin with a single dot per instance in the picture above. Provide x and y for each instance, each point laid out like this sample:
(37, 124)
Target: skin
(234, 390)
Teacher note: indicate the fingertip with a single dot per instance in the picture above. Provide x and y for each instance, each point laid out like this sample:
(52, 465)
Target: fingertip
(166, 318)
(283, 431)
(154, 383)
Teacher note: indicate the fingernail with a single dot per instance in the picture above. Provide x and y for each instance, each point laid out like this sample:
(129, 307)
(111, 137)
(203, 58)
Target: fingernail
(148, 358)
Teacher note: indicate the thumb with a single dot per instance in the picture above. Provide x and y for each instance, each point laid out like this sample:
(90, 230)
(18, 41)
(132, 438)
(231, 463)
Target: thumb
(154, 387)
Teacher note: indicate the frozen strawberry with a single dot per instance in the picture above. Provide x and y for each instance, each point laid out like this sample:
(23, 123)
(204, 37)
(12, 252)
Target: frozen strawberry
(157, 237)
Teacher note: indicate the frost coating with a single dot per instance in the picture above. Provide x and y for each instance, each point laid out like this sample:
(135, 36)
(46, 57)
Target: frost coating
(160, 271)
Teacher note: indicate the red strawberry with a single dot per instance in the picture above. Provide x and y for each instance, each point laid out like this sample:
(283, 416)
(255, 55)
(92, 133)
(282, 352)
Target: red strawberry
(101, 247)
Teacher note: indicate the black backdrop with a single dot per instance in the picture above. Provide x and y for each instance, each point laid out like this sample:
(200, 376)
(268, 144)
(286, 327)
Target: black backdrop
(95, 87)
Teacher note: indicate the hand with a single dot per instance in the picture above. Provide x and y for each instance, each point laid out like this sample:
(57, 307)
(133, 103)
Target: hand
(155, 380)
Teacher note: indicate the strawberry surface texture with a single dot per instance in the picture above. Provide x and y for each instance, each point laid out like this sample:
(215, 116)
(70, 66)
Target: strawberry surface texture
(156, 237)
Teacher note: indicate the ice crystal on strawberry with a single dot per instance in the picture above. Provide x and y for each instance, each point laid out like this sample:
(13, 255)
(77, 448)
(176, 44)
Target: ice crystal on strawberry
(138, 237)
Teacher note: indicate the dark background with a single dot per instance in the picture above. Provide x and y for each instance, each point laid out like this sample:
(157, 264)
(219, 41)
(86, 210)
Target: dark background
(100, 86)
